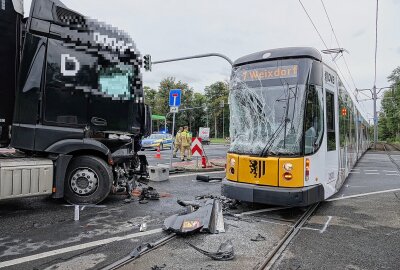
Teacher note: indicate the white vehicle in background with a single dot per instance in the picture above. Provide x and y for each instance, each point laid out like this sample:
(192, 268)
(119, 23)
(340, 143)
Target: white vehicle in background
(204, 134)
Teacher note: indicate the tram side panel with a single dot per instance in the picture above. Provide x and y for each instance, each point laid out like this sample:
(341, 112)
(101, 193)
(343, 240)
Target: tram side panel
(330, 85)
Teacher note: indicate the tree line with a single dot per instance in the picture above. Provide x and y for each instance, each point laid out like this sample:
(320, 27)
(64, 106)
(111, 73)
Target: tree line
(204, 110)
(389, 116)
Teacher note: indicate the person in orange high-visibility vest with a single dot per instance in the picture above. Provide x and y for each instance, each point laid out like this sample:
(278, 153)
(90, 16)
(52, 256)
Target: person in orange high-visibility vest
(178, 141)
(186, 139)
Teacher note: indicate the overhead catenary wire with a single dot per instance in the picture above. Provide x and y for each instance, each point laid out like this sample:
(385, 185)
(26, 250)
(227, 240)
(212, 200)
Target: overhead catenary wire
(326, 46)
(337, 41)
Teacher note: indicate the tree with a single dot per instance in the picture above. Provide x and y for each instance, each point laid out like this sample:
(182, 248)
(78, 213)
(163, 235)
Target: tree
(150, 97)
(188, 100)
(216, 94)
(389, 121)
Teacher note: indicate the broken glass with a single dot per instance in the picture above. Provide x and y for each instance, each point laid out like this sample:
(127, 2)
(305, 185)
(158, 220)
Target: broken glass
(267, 102)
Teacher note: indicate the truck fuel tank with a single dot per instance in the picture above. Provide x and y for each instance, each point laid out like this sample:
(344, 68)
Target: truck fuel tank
(22, 177)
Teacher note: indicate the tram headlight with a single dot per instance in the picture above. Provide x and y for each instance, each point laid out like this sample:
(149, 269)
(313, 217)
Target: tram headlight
(288, 176)
(288, 166)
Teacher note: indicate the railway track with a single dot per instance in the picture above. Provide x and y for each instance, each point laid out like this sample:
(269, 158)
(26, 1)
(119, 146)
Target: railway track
(285, 241)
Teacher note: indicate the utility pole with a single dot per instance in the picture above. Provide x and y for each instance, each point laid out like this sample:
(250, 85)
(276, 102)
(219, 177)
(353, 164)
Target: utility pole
(375, 116)
(223, 118)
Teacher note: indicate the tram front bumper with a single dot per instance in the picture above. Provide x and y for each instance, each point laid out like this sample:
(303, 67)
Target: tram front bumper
(273, 195)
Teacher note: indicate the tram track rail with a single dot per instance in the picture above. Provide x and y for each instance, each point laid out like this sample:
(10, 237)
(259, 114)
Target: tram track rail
(385, 146)
(274, 255)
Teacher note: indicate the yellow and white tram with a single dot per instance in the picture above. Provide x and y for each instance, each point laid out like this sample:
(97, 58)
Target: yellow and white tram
(295, 130)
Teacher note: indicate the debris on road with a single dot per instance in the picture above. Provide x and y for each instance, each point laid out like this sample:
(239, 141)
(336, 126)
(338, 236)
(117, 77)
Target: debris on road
(225, 251)
(227, 204)
(206, 178)
(140, 250)
(198, 217)
(156, 267)
(259, 237)
(143, 227)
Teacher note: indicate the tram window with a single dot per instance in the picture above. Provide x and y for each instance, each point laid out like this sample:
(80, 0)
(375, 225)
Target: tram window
(314, 119)
(330, 120)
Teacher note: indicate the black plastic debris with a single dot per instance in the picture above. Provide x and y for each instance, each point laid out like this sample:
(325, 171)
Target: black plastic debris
(156, 267)
(198, 217)
(225, 251)
(227, 204)
(259, 237)
(149, 193)
(206, 178)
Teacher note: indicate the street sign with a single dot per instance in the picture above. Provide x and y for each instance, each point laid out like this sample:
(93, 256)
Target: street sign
(175, 97)
(196, 147)
(173, 109)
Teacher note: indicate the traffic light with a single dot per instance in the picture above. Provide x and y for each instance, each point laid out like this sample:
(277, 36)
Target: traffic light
(147, 62)
(344, 111)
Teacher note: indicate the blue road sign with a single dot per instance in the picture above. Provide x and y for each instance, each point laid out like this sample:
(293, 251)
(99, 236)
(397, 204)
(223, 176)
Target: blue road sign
(175, 97)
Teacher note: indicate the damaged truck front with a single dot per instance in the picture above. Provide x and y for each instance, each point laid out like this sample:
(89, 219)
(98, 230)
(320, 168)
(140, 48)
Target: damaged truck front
(79, 112)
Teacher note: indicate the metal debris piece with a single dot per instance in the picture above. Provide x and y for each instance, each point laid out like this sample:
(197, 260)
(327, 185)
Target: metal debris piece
(143, 227)
(156, 267)
(225, 251)
(259, 237)
(206, 178)
(203, 217)
(149, 193)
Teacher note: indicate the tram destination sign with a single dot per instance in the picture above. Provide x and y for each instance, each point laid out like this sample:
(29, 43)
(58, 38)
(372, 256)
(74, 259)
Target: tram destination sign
(270, 73)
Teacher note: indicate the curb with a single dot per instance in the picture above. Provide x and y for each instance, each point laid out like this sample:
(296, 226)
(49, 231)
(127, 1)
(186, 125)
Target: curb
(206, 170)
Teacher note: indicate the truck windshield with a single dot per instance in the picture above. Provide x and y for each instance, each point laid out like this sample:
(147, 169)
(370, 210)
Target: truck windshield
(115, 81)
(267, 107)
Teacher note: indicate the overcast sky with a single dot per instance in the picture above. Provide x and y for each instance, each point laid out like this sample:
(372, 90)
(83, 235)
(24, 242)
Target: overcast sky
(175, 28)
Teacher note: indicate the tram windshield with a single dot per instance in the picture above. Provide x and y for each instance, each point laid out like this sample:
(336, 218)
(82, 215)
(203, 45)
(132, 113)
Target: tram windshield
(267, 103)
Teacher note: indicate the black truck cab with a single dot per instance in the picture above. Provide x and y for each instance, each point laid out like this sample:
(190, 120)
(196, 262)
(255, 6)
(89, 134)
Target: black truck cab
(76, 90)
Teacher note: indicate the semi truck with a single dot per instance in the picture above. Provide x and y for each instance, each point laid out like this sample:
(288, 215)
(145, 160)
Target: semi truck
(71, 105)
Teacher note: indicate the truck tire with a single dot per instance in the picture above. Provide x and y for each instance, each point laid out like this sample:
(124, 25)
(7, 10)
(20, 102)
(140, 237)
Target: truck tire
(88, 180)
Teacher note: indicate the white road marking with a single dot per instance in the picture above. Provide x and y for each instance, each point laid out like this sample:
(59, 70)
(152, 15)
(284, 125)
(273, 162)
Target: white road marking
(370, 170)
(326, 224)
(393, 174)
(362, 194)
(372, 173)
(309, 228)
(76, 247)
(261, 211)
(190, 174)
(354, 172)
(390, 171)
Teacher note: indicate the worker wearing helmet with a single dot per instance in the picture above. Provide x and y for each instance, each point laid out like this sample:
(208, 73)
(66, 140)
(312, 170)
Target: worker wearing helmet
(178, 141)
(186, 139)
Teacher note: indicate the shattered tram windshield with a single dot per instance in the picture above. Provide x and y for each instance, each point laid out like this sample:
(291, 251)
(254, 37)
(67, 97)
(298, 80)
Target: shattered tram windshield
(267, 107)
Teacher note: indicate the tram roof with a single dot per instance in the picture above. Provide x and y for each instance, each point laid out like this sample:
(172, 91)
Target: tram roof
(280, 53)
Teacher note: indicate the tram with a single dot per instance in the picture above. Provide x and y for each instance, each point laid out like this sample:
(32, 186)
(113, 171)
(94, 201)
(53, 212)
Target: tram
(296, 132)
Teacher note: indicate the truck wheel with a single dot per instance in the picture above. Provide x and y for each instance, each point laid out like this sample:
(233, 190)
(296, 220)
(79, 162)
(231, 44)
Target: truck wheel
(88, 180)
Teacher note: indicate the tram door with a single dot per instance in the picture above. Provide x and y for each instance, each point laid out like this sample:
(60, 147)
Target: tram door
(331, 125)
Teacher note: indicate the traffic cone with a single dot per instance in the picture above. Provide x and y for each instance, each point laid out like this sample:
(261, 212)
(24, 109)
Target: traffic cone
(203, 161)
(158, 154)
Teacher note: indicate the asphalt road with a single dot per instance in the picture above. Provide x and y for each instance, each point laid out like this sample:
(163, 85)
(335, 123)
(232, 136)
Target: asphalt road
(212, 152)
(346, 232)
